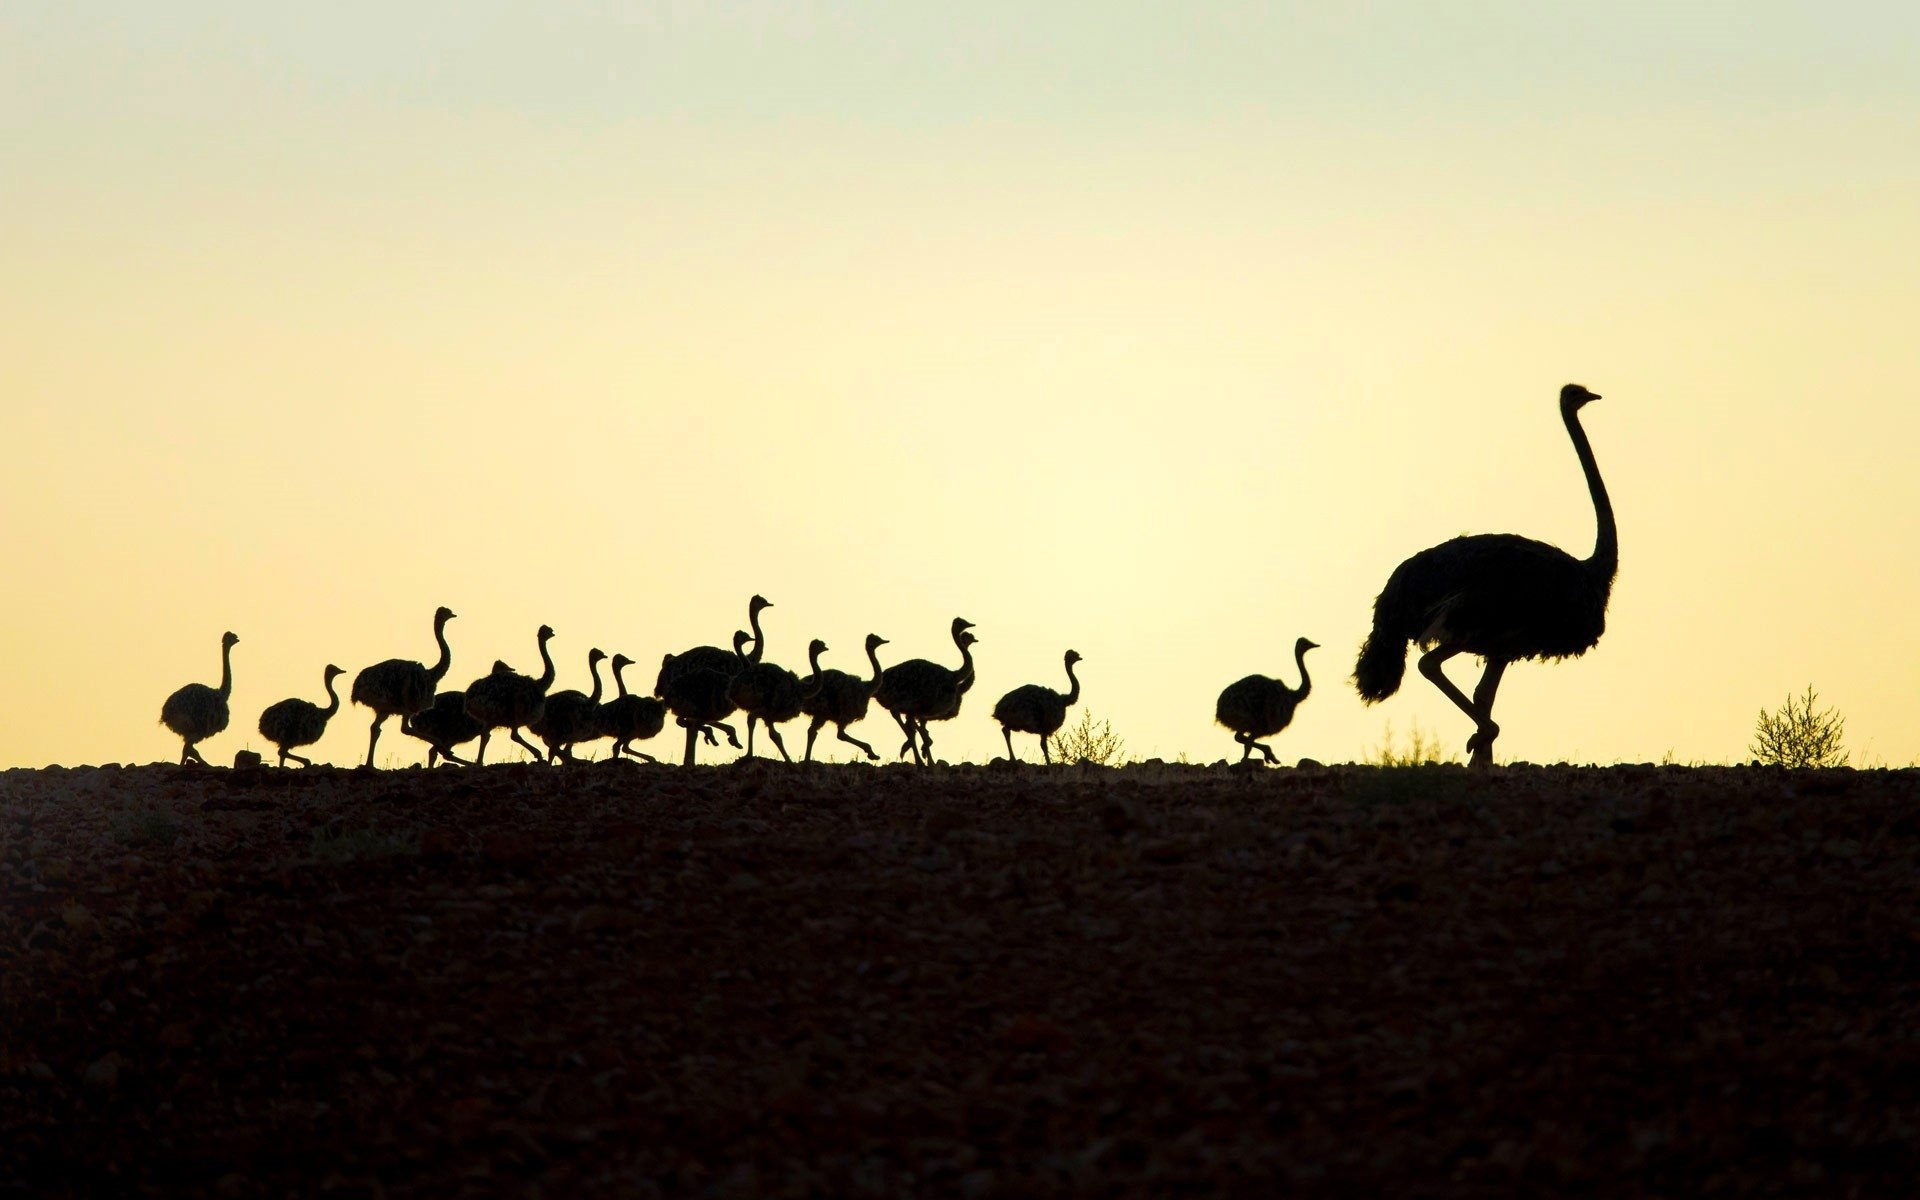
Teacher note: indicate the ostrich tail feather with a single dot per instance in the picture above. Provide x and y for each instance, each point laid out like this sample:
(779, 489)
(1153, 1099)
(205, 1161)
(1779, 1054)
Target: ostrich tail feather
(1383, 661)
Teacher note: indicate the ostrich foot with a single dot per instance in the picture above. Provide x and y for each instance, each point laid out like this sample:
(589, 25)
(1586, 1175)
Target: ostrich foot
(1480, 745)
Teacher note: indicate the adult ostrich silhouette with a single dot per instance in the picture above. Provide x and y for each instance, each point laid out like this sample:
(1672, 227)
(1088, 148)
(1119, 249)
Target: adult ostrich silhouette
(506, 699)
(197, 712)
(1261, 706)
(628, 718)
(400, 687)
(1497, 595)
(571, 716)
(842, 699)
(1031, 708)
(443, 726)
(770, 694)
(296, 722)
(918, 690)
(686, 686)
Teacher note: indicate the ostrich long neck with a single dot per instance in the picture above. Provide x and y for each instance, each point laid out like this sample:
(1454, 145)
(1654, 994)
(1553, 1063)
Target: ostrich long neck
(546, 661)
(226, 669)
(1075, 681)
(1606, 543)
(963, 678)
(445, 660)
(593, 667)
(759, 639)
(618, 681)
(1306, 683)
(333, 697)
(816, 681)
(873, 656)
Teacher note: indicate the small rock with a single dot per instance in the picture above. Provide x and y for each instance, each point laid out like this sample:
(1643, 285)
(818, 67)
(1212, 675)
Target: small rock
(103, 1073)
(78, 918)
(1309, 764)
(243, 759)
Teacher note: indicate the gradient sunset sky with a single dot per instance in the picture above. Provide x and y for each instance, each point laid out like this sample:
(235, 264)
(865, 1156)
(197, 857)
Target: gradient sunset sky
(1158, 331)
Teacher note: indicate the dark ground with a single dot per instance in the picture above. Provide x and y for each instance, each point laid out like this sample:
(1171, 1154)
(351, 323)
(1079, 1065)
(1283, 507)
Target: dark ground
(839, 981)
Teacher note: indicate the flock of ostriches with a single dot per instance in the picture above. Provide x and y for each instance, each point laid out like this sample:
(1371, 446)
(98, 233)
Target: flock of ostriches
(1498, 596)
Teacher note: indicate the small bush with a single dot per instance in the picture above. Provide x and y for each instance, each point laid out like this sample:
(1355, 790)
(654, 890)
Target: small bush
(1089, 743)
(1423, 749)
(1799, 735)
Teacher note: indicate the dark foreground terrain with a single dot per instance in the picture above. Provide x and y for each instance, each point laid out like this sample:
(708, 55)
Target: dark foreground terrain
(839, 981)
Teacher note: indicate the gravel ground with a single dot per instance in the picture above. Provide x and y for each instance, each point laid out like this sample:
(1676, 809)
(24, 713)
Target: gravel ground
(762, 979)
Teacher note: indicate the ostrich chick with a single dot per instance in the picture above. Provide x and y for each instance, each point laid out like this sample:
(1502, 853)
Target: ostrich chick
(296, 722)
(1032, 708)
(443, 726)
(506, 699)
(571, 716)
(1261, 706)
(627, 718)
(197, 712)
(842, 699)
(770, 693)
(401, 687)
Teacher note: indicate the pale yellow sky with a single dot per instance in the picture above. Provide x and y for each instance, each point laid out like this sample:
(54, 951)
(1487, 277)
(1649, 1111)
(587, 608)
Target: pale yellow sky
(1163, 336)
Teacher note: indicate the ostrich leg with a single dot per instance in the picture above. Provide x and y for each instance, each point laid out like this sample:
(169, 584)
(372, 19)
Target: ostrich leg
(844, 736)
(1481, 743)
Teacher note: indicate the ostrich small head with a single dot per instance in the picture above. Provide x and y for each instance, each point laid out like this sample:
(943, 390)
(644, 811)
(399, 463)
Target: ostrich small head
(442, 615)
(595, 656)
(966, 639)
(1573, 396)
(229, 639)
(756, 604)
(960, 625)
(332, 671)
(620, 662)
(1304, 645)
(545, 635)
(816, 648)
(501, 668)
(874, 642)
(1073, 656)
(740, 639)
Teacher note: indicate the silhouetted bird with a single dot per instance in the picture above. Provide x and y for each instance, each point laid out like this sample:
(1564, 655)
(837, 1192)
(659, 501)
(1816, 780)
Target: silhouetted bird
(1032, 708)
(571, 717)
(443, 726)
(296, 722)
(505, 699)
(1260, 706)
(918, 690)
(401, 687)
(771, 694)
(627, 718)
(842, 699)
(1497, 595)
(684, 686)
(196, 712)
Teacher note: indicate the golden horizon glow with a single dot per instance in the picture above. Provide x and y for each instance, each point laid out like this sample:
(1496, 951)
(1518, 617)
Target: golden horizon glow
(1158, 335)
